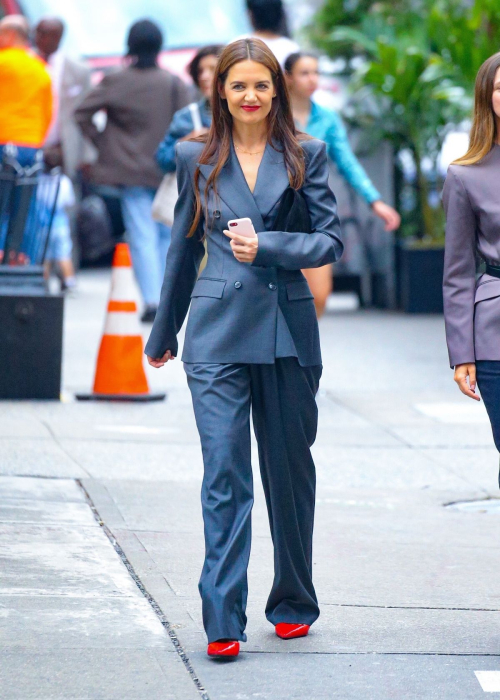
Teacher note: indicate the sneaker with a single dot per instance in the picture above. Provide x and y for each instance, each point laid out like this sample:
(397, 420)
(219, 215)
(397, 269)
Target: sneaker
(68, 286)
(149, 313)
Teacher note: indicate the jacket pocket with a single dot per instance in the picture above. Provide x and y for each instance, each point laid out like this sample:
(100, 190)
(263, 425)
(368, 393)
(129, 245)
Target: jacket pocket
(487, 290)
(298, 290)
(209, 287)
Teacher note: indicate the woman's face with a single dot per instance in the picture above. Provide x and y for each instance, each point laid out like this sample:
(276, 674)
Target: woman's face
(249, 92)
(496, 95)
(206, 71)
(304, 79)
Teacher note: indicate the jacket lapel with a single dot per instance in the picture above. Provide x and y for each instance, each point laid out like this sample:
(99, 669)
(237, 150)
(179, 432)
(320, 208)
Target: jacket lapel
(272, 180)
(232, 188)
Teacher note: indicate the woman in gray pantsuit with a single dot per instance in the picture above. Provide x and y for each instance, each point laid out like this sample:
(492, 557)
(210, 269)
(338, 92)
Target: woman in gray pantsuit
(471, 200)
(252, 337)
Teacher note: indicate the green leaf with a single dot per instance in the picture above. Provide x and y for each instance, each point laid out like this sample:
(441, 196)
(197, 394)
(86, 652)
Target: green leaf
(342, 34)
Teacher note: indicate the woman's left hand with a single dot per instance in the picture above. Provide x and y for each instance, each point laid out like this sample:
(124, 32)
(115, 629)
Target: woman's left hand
(244, 248)
(388, 215)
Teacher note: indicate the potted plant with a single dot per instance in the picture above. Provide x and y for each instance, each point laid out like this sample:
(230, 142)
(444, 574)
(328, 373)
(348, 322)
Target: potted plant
(412, 66)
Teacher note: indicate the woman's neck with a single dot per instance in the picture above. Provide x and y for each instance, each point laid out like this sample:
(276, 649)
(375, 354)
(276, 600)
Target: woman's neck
(250, 136)
(301, 108)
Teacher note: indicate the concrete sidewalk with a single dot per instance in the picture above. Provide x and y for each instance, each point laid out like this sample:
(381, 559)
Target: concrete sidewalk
(101, 534)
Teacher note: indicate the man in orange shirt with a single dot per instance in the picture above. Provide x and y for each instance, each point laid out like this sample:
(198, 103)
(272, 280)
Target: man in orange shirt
(25, 91)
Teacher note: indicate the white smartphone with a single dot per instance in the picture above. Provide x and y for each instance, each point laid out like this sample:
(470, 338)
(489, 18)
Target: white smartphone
(243, 227)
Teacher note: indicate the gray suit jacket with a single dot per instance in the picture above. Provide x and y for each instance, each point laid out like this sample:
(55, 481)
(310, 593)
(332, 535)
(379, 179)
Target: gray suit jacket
(471, 199)
(234, 311)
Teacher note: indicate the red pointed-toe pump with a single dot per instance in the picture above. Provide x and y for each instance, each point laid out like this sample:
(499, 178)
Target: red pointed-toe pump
(290, 630)
(224, 648)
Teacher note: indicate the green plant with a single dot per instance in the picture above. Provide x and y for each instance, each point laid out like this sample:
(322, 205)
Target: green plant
(406, 93)
(418, 64)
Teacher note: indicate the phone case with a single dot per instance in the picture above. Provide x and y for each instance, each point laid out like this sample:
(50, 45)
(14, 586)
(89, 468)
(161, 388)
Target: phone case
(243, 227)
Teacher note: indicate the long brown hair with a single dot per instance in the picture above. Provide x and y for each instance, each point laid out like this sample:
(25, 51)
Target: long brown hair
(483, 133)
(280, 125)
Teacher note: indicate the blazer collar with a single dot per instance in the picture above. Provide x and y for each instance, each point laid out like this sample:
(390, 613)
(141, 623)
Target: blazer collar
(272, 180)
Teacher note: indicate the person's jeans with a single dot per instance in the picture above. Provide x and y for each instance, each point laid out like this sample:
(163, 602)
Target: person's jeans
(11, 206)
(488, 381)
(148, 240)
(25, 155)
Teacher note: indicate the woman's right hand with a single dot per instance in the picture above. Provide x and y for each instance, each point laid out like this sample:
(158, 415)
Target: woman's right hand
(388, 214)
(461, 373)
(159, 363)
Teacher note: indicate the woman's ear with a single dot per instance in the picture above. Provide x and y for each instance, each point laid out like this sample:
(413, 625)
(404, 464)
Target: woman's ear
(222, 91)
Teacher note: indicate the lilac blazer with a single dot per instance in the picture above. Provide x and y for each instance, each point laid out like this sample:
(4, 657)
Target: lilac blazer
(471, 199)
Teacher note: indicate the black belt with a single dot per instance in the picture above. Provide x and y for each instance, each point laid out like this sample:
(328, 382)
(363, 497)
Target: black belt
(493, 270)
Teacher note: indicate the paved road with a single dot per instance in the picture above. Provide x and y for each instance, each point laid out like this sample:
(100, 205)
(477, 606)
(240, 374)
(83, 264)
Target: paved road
(101, 535)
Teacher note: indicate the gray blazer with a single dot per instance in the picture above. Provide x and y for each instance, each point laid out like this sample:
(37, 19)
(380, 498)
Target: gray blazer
(471, 199)
(234, 313)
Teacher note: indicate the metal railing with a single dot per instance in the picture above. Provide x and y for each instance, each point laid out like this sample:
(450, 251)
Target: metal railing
(28, 200)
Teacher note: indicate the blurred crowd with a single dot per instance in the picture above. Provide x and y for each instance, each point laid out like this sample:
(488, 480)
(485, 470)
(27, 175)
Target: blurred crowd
(114, 141)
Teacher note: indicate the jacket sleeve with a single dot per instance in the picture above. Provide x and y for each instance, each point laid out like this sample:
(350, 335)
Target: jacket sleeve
(340, 151)
(48, 102)
(165, 153)
(95, 100)
(459, 281)
(183, 261)
(295, 251)
(179, 127)
(89, 153)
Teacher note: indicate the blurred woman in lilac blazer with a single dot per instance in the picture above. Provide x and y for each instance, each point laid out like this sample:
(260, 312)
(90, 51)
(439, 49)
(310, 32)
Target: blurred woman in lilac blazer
(471, 200)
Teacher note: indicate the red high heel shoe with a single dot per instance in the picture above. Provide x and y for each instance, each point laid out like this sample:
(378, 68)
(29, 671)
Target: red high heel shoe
(289, 630)
(224, 648)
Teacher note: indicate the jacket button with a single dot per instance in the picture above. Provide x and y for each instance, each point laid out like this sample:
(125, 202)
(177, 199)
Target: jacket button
(237, 285)
(216, 214)
(272, 286)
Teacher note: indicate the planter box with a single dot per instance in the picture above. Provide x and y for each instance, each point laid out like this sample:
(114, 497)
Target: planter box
(419, 278)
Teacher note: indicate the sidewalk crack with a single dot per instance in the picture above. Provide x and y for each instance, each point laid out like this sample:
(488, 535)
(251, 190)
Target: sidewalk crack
(62, 448)
(156, 608)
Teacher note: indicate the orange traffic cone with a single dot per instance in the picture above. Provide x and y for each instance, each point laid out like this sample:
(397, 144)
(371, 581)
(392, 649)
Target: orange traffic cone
(119, 374)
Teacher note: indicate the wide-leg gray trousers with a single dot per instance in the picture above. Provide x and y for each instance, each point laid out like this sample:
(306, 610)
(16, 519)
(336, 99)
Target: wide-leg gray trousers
(284, 411)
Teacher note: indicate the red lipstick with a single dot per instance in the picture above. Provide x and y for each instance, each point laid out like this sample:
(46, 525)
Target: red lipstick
(250, 108)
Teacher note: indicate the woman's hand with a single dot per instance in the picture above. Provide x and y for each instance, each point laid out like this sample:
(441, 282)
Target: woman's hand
(461, 373)
(159, 363)
(244, 248)
(388, 215)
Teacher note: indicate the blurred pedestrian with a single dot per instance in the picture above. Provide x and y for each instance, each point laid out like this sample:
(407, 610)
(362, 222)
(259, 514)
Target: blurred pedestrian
(60, 247)
(25, 92)
(471, 199)
(252, 335)
(201, 70)
(139, 101)
(302, 76)
(25, 111)
(269, 23)
(65, 144)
